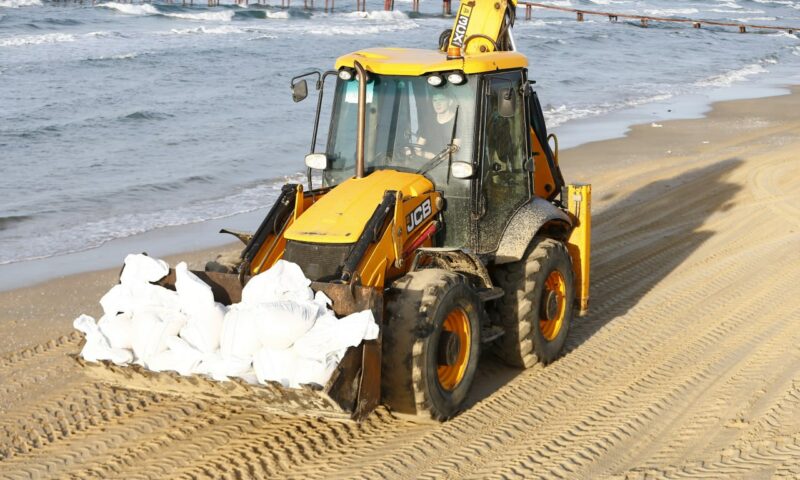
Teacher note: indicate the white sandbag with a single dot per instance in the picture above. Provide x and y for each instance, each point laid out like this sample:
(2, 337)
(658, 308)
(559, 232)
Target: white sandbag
(246, 328)
(291, 370)
(141, 296)
(179, 357)
(151, 328)
(283, 281)
(309, 370)
(220, 368)
(148, 297)
(240, 333)
(118, 299)
(331, 335)
(273, 365)
(323, 302)
(97, 347)
(86, 325)
(194, 295)
(203, 329)
(140, 268)
(95, 350)
(281, 323)
(118, 329)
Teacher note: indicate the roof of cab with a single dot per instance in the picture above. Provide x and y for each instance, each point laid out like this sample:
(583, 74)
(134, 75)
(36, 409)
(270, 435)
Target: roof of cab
(416, 61)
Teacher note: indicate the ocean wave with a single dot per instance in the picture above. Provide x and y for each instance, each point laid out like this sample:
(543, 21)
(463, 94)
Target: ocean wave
(221, 30)
(381, 15)
(670, 12)
(732, 5)
(145, 115)
(786, 3)
(36, 39)
(391, 21)
(145, 9)
(105, 34)
(61, 21)
(130, 9)
(105, 58)
(171, 186)
(755, 19)
(277, 15)
(370, 30)
(732, 76)
(20, 3)
(224, 16)
(86, 236)
(559, 3)
(562, 114)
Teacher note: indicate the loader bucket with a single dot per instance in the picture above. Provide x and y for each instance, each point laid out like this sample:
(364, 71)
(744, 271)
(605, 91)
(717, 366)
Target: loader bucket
(352, 392)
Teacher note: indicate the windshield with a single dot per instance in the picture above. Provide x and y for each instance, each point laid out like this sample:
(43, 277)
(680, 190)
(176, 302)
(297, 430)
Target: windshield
(409, 127)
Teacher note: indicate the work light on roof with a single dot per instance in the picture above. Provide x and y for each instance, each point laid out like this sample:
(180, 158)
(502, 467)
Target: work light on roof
(456, 78)
(346, 74)
(435, 80)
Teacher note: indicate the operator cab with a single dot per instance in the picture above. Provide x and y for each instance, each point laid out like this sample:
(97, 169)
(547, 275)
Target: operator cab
(464, 125)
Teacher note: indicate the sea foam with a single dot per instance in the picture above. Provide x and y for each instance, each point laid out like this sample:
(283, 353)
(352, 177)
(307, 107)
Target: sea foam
(19, 3)
(36, 39)
(732, 76)
(221, 16)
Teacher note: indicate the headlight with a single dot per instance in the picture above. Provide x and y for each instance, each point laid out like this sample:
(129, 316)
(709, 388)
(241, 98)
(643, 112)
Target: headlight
(346, 74)
(435, 80)
(456, 78)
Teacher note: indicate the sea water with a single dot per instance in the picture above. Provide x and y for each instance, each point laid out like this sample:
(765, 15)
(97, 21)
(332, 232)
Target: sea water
(118, 120)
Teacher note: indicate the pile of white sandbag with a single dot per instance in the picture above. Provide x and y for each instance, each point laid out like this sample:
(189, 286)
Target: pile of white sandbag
(280, 331)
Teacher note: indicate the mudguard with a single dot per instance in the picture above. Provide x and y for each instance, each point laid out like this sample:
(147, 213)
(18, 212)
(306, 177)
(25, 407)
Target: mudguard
(524, 224)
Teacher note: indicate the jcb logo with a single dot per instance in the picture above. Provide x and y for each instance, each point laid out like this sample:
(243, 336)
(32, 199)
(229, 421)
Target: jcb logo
(419, 215)
(461, 26)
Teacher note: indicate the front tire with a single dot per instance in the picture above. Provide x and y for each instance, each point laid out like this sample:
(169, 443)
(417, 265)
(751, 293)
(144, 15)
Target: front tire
(537, 309)
(431, 344)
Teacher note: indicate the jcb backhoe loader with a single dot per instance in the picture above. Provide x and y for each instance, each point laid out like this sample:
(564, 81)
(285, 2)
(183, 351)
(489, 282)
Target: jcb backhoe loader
(441, 207)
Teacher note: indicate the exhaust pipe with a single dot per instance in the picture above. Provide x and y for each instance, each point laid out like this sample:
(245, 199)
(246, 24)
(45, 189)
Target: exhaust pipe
(362, 118)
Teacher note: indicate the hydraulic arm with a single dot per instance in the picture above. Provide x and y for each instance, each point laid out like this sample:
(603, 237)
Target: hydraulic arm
(482, 26)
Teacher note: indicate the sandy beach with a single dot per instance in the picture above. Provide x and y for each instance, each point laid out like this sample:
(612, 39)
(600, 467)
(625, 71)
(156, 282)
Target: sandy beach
(688, 364)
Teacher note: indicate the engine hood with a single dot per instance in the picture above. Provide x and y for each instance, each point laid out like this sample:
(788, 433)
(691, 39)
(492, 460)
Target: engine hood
(341, 215)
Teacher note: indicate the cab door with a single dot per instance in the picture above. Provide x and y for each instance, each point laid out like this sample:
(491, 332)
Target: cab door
(504, 182)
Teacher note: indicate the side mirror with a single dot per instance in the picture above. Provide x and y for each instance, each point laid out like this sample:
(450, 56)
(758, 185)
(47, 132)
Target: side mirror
(317, 161)
(299, 91)
(461, 170)
(506, 102)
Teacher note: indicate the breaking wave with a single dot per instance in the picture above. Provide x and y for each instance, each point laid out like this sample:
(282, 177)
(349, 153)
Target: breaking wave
(129, 9)
(732, 76)
(19, 3)
(36, 39)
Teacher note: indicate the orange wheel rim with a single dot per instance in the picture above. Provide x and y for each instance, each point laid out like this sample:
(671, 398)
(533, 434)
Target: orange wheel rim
(554, 295)
(457, 323)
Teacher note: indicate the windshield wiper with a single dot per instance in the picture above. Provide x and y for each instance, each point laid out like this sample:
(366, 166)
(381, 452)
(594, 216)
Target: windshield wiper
(448, 150)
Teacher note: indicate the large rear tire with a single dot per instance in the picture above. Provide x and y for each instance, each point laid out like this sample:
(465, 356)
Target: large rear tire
(537, 308)
(431, 344)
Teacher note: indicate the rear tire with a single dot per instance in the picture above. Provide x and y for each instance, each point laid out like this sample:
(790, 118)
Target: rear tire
(431, 344)
(537, 309)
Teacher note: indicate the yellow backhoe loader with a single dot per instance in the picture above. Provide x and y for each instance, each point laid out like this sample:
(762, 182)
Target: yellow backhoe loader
(440, 205)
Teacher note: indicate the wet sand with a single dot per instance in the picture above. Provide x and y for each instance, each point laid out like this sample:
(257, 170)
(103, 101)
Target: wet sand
(687, 366)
